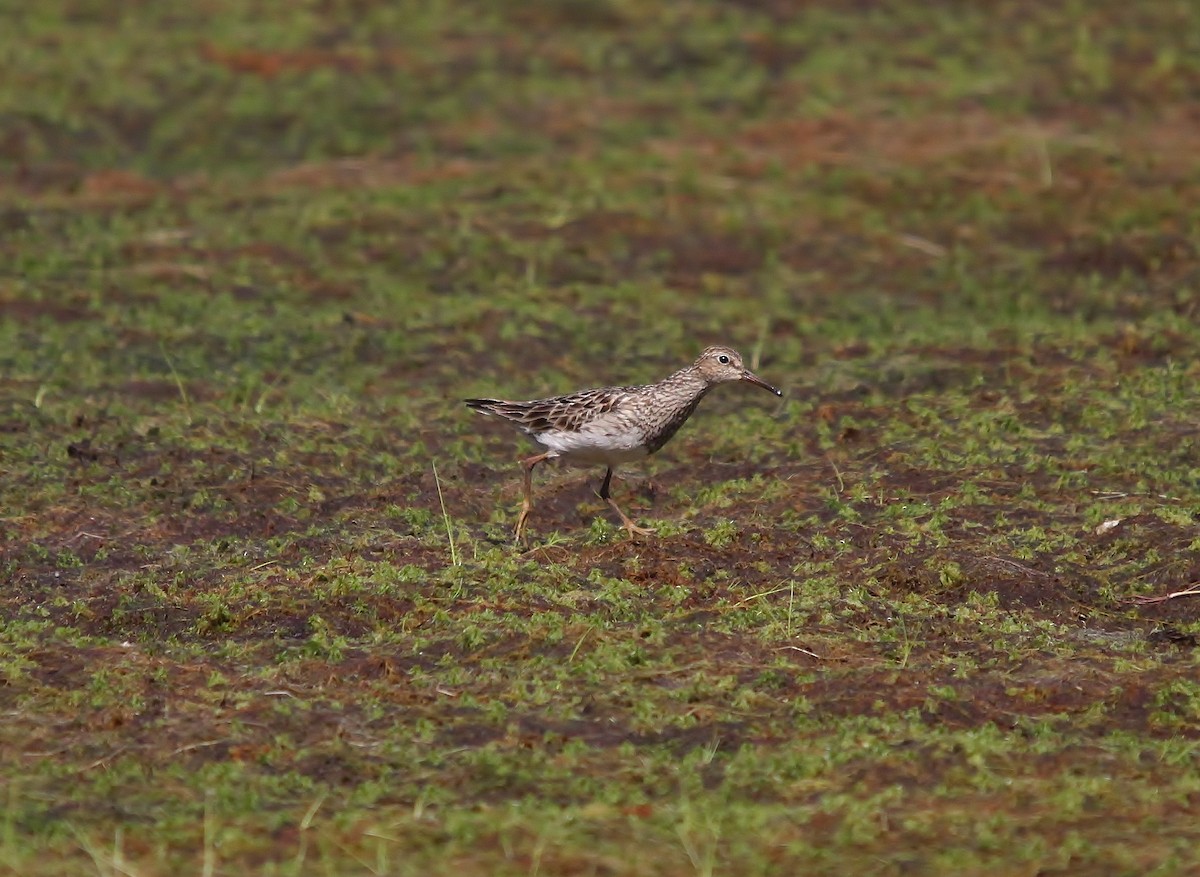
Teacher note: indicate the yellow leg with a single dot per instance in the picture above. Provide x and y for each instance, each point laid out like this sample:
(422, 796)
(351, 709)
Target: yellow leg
(527, 499)
(630, 526)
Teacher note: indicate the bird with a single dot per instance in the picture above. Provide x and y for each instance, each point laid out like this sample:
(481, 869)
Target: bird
(613, 425)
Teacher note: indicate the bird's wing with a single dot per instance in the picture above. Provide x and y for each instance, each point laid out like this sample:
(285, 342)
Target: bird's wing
(570, 413)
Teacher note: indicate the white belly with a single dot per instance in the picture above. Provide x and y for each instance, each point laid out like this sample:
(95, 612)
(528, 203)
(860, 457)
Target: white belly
(593, 447)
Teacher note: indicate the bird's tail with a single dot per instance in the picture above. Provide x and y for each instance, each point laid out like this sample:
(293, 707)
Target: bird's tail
(523, 414)
(484, 406)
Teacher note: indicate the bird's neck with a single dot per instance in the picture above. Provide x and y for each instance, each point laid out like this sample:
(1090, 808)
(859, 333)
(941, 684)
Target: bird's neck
(687, 382)
(677, 397)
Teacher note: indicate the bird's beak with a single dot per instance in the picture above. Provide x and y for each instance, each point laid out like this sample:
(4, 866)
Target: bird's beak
(751, 378)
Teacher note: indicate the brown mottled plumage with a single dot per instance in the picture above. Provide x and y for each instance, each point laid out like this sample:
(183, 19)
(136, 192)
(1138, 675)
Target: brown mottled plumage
(613, 425)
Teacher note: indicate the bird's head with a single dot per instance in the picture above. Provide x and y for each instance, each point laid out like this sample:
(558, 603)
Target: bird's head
(720, 365)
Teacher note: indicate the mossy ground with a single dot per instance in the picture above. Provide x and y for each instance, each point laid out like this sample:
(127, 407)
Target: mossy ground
(260, 609)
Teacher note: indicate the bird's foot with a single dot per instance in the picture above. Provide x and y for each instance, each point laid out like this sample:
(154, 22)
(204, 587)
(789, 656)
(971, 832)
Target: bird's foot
(635, 530)
(632, 528)
(626, 522)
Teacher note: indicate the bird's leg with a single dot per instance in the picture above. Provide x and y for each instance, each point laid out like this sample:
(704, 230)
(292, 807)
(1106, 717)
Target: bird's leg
(629, 525)
(527, 501)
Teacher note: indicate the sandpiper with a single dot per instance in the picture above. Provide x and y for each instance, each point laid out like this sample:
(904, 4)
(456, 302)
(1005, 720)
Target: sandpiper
(613, 425)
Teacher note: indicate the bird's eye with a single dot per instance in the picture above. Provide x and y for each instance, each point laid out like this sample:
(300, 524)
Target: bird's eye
(723, 359)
